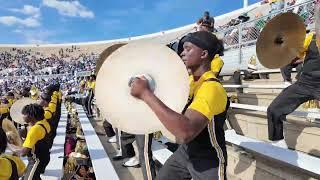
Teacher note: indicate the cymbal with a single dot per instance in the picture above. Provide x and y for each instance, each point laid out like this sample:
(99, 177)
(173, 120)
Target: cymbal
(104, 55)
(281, 40)
(16, 109)
(164, 68)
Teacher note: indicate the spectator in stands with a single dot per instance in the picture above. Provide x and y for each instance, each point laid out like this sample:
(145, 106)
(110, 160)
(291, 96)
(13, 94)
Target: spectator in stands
(12, 167)
(200, 156)
(91, 87)
(276, 5)
(206, 21)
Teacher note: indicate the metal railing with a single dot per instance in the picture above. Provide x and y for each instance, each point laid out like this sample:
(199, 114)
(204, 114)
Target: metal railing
(246, 34)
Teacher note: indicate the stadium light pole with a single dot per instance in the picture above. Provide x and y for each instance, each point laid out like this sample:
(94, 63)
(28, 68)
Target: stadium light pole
(245, 3)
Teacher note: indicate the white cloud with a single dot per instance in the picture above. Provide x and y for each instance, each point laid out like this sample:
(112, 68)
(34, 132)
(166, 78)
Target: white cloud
(28, 10)
(69, 8)
(39, 36)
(12, 20)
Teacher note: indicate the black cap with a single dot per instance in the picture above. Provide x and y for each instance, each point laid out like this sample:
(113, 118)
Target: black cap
(206, 41)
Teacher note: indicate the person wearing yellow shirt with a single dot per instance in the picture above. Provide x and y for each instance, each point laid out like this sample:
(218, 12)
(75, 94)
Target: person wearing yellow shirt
(91, 86)
(306, 88)
(296, 63)
(49, 105)
(216, 65)
(202, 153)
(35, 145)
(12, 167)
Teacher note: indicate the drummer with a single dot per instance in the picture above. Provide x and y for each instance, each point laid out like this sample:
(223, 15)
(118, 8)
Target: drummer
(35, 145)
(12, 167)
(199, 128)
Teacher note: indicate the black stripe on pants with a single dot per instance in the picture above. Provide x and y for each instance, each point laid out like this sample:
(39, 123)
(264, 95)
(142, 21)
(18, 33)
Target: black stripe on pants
(286, 102)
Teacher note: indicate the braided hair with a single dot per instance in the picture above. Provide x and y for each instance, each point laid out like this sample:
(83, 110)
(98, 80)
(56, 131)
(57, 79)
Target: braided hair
(34, 111)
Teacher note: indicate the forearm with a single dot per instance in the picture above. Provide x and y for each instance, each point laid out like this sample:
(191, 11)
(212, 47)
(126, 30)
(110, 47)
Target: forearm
(178, 124)
(18, 150)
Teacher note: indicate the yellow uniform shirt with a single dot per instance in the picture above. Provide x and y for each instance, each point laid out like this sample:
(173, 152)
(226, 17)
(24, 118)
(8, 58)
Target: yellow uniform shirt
(88, 84)
(82, 82)
(48, 111)
(209, 97)
(216, 64)
(36, 133)
(11, 101)
(6, 168)
(4, 108)
(60, 95)
(92, 85)
(306, 44)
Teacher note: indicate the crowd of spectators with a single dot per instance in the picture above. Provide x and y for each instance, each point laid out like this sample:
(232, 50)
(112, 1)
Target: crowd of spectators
(18, 62)
(22, 85)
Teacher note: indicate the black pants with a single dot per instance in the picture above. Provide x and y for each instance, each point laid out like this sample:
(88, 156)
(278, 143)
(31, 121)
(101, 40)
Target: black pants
(89, 103)
(126, 145)
(286, 71)
(179, 167)
(108, 129)
(145, 153)
(287, 101)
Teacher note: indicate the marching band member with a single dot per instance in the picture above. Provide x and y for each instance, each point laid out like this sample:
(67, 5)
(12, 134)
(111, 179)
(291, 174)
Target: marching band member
(306, 88)
(202, 154)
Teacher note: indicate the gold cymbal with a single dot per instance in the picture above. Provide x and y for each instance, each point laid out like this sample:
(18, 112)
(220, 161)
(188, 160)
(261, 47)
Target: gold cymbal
(104, 55)
(281, 40)
(16, 109)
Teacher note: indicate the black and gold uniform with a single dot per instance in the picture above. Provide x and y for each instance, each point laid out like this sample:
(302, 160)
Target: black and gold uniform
(205, 156)
(37, 140)
(12, 167)
(306, 88)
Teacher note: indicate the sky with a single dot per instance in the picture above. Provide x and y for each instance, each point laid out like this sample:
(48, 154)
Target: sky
(69, 21)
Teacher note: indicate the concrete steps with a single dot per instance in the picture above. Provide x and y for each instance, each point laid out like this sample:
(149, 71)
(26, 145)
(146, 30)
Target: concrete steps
(258, 99)
(243, 165)
(300, 134)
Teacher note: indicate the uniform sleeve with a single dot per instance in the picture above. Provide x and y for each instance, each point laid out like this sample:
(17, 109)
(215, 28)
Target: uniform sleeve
(306, 44)
(216, 64)
(35, 134)
(210, 100)
(52, 107)
(47, 114)
(4, 110)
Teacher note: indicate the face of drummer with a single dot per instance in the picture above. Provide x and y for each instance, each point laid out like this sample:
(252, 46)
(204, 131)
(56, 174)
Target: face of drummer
(193, 56)
(28, 119)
